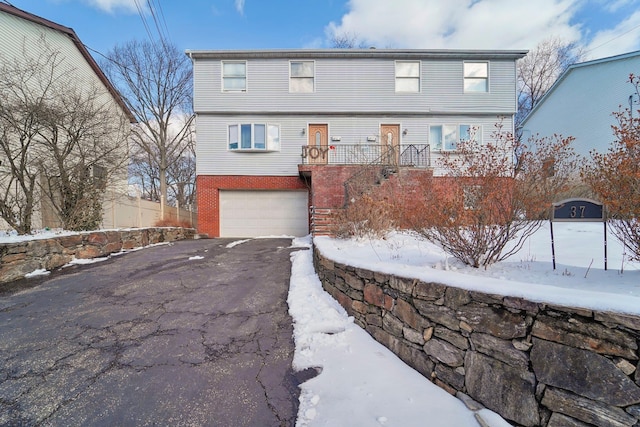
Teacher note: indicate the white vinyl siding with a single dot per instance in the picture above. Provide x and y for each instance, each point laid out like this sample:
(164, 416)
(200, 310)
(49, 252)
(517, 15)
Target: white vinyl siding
(355, 86)
(249, 213)
(214, 157)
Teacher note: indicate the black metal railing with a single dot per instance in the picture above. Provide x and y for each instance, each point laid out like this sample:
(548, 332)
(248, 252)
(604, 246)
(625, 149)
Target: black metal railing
(416, 155)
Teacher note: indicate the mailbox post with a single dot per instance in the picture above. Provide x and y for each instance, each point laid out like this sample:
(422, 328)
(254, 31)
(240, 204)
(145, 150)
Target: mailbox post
(578, 210)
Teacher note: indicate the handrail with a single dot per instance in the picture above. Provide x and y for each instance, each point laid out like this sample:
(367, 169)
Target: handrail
(416, 155)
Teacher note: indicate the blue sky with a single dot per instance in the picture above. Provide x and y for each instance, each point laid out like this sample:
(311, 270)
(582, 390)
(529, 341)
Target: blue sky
(602, 27)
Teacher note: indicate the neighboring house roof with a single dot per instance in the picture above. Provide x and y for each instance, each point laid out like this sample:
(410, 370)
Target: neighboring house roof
(83, 50)
(358, 53)
(570, 70)
(583, 103)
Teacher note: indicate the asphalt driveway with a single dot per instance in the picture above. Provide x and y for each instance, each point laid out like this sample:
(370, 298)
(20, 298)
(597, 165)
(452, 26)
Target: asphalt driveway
(153, 337)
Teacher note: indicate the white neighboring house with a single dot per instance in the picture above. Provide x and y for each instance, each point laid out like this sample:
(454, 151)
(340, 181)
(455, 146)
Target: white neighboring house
(581, 102)
(20, 30)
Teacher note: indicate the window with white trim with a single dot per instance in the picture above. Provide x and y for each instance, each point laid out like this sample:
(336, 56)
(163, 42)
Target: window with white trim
(302, 76)
(407, 76)
(476, 77)
(447, 136)
(234, 76)
(254, 137)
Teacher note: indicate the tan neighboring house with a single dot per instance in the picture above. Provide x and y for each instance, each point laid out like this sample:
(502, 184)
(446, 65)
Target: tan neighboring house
(24, 33)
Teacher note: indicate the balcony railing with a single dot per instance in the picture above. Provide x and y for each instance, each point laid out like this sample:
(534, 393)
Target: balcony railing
(417, 155)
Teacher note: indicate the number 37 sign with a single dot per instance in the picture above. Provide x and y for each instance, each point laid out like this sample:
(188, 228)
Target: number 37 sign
(578, 210)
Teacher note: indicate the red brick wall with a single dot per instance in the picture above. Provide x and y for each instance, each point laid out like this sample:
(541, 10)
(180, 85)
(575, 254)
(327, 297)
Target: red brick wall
(209, 186)
(328, 184)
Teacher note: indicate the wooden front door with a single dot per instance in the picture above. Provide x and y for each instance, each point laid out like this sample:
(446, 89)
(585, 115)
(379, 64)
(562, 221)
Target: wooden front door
(390, 141)
(318, 150)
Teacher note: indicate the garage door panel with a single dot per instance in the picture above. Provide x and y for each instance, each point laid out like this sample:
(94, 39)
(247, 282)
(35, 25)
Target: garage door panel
(263, 213)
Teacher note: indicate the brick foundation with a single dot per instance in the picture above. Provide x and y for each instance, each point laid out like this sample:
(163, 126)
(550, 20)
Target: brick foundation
(209, 186)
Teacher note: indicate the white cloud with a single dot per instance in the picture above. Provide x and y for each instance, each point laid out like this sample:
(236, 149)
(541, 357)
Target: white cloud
(240, 6)
(458, 24)
(489, 24)
(111, 6)
(614, 5)
(625, 37)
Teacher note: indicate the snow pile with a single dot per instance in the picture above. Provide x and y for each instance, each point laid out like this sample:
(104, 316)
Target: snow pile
(361, 382)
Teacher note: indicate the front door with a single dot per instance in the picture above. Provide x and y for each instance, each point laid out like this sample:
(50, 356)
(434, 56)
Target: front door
(318, 150)
(390, 141)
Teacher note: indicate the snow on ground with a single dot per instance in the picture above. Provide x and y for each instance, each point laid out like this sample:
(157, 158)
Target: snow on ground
(579, 278)
(10, 236)
(364, 384)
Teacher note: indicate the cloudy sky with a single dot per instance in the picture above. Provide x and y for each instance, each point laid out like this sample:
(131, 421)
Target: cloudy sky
(603, 27)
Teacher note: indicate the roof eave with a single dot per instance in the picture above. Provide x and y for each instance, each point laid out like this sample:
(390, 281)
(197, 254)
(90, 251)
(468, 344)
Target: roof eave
(356, 53)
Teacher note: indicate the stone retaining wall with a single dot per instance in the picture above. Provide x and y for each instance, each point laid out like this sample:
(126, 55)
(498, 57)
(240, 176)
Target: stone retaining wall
(20, 258)
(533, 363)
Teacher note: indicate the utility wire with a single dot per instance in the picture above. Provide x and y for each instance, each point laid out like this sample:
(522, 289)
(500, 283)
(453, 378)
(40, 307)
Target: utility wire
(615, 38)
(144, 20)
(156, 14)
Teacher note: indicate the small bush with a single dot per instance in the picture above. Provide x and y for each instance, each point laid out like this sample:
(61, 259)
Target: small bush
(364, 217)
(172, 223)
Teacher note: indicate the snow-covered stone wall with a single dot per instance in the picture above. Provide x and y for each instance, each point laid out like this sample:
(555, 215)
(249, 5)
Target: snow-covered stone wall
(20, 258)
(535, 364)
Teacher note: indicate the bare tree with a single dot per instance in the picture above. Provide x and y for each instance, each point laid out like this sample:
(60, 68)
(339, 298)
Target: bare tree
(143, 170)
(19, 127)
(540, 69)
(155, 80)
(55, 127)
(347, 41)
(83, 146)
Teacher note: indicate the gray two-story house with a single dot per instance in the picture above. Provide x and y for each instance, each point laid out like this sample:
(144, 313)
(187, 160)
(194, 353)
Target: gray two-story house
(279, 132)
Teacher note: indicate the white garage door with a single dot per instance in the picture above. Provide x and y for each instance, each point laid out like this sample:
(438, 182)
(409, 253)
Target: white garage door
(263, 213)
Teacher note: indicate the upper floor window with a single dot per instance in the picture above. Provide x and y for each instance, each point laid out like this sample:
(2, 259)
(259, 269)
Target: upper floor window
(302, 76)
(234, 76)
(476, 77)
(447, 137)
(407, 76)
(254, 136)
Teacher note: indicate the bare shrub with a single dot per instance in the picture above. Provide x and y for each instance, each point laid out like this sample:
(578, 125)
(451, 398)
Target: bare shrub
(365, 216)
(493, 196)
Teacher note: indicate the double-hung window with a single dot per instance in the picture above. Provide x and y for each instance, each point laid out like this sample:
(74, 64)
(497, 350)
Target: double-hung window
(254, 137)
(407, 76)
(447, 137)
(476, 76)
(234, 76)
(302, 76)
